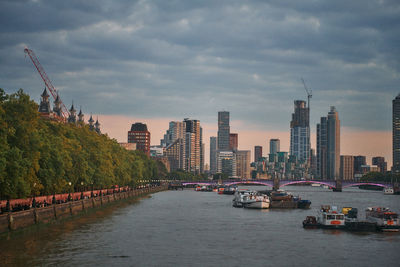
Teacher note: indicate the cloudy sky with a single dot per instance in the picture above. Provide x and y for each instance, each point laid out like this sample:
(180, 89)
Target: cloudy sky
(156, 61)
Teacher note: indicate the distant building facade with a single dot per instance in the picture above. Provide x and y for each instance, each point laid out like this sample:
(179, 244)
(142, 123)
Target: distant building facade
(300, 132)
(226, 163)
(274, 146)
(128, 146)
(396, 134)
(358, 162)
(346, 167)
(258, 154)
(233, 141)
(333, 151)
(213, 155)
(243, 164)
(141, 136)
(223, 130)
(322, 148)
(381, 163)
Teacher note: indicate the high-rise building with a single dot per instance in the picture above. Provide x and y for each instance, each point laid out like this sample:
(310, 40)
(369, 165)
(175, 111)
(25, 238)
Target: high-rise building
(333, 145)
(346, 167)
(258, 153)
(176, 130)
(226, 163)
(233, 141)
(322, 147)
(358, 162)
(381, 163)
(213, 155)
(300, 132)
(243, 164)
(274, 146)
(202, 151)
(223, 130)
(396, 135)
(141, 136)
(193, 145)
(175, 154)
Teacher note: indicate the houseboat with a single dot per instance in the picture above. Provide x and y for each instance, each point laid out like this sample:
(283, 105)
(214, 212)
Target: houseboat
(385, 219)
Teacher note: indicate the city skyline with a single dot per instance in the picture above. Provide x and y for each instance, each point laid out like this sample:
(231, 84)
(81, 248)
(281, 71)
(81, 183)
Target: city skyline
(158, 62)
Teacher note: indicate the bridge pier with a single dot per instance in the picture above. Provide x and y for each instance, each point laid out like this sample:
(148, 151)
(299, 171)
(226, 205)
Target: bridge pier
(276, 184)
(338, 187)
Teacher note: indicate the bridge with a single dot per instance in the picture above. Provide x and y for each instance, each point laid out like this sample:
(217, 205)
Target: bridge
(335, 185)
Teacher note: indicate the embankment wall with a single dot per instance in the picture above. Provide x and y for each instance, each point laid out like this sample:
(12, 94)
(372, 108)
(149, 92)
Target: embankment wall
(17, 220)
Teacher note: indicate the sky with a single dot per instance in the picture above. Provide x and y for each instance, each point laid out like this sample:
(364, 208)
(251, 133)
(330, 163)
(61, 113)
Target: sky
(156, 61)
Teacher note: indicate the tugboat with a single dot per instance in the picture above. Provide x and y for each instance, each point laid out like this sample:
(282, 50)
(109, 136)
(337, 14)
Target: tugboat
(328, 218)
(385, 219)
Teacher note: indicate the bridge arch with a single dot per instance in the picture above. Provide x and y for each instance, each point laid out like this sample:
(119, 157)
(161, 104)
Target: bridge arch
(308, 182)
(358, 184)
(250, 183)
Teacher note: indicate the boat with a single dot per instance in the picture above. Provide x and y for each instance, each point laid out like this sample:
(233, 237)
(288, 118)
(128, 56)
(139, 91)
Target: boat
(303, 204)
(328, 218)
(241, 197)
(388, 191)
(258, 201)
(352, 222)
(385, 219)
(310, 222)
(229, 190)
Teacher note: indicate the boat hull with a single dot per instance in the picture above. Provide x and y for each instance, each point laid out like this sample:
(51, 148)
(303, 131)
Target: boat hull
(257, 205)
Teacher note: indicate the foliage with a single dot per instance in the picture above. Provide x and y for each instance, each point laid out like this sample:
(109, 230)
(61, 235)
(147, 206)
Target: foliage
(186, 176)
(40, 156)
(379, 177)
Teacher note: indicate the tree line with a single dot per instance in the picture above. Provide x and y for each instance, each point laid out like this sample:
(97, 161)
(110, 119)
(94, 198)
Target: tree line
(41, 157)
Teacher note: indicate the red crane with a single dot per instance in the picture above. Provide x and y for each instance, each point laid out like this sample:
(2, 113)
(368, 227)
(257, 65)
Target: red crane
(46, 80)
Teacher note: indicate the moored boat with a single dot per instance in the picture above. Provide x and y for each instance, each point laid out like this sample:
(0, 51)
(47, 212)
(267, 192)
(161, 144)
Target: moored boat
(328, 218)
(388, 191)
(258, 201)
(353, 223)
(385, 219)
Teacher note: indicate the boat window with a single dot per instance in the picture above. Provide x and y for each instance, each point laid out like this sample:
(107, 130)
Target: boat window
(391, 216)
(330, 217)
(339, 217)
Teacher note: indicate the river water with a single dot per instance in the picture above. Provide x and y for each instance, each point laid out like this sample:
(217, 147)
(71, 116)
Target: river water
(188, 228)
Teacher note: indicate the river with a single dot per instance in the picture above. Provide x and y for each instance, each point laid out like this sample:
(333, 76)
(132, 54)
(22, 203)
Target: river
(188, 228)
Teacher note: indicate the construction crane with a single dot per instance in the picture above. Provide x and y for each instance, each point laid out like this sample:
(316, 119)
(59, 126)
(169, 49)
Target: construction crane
(46, 80)
(309, 92)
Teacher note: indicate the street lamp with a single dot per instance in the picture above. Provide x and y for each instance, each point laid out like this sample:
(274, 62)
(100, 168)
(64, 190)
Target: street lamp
(69, 191)
(81, 190)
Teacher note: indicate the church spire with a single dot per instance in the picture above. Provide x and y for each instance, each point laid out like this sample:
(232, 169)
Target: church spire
(80, 115)
(72, 115)
(97, 126)
(44, 106)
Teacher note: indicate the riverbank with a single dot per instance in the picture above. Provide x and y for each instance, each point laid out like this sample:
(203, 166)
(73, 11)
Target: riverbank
(13, 221)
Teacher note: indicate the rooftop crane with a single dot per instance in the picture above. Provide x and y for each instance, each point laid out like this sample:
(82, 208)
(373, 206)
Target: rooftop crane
(309, 92)
(46, 80)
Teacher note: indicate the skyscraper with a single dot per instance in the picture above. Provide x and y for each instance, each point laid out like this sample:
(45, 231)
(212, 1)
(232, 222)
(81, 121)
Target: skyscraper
(193, 145)
(333, 145)
(141, 136)
(223, 130)
(176, 130)
(322, 147)
(226, 163)
(358, 162)
(213, 155)
(257, 153)
(396, 134)
(233, 141)
(300, 132)
(274, 146)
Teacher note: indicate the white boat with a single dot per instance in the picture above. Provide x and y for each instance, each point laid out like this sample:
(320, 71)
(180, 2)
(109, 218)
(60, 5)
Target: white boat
(330, 217)
(385, 219)
(388, 191)
(316, 185)
(241, 197)
(260, 201)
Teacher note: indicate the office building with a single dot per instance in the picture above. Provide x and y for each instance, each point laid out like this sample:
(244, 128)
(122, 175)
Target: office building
(175, 154)
(358, 162)
(141, 136)
(223, 131)
(213, 155)
(396, 135)
(193, 145)
(300, 132)
(346, 167)
(274, 146)
(322, 147)
(243, 164)
(333, 148)
(176, 130)
(381, 163)
(233, 141)
(258, 153)
(226, 163)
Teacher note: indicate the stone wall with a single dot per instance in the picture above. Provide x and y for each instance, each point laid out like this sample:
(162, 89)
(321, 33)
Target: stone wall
(21, 219)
